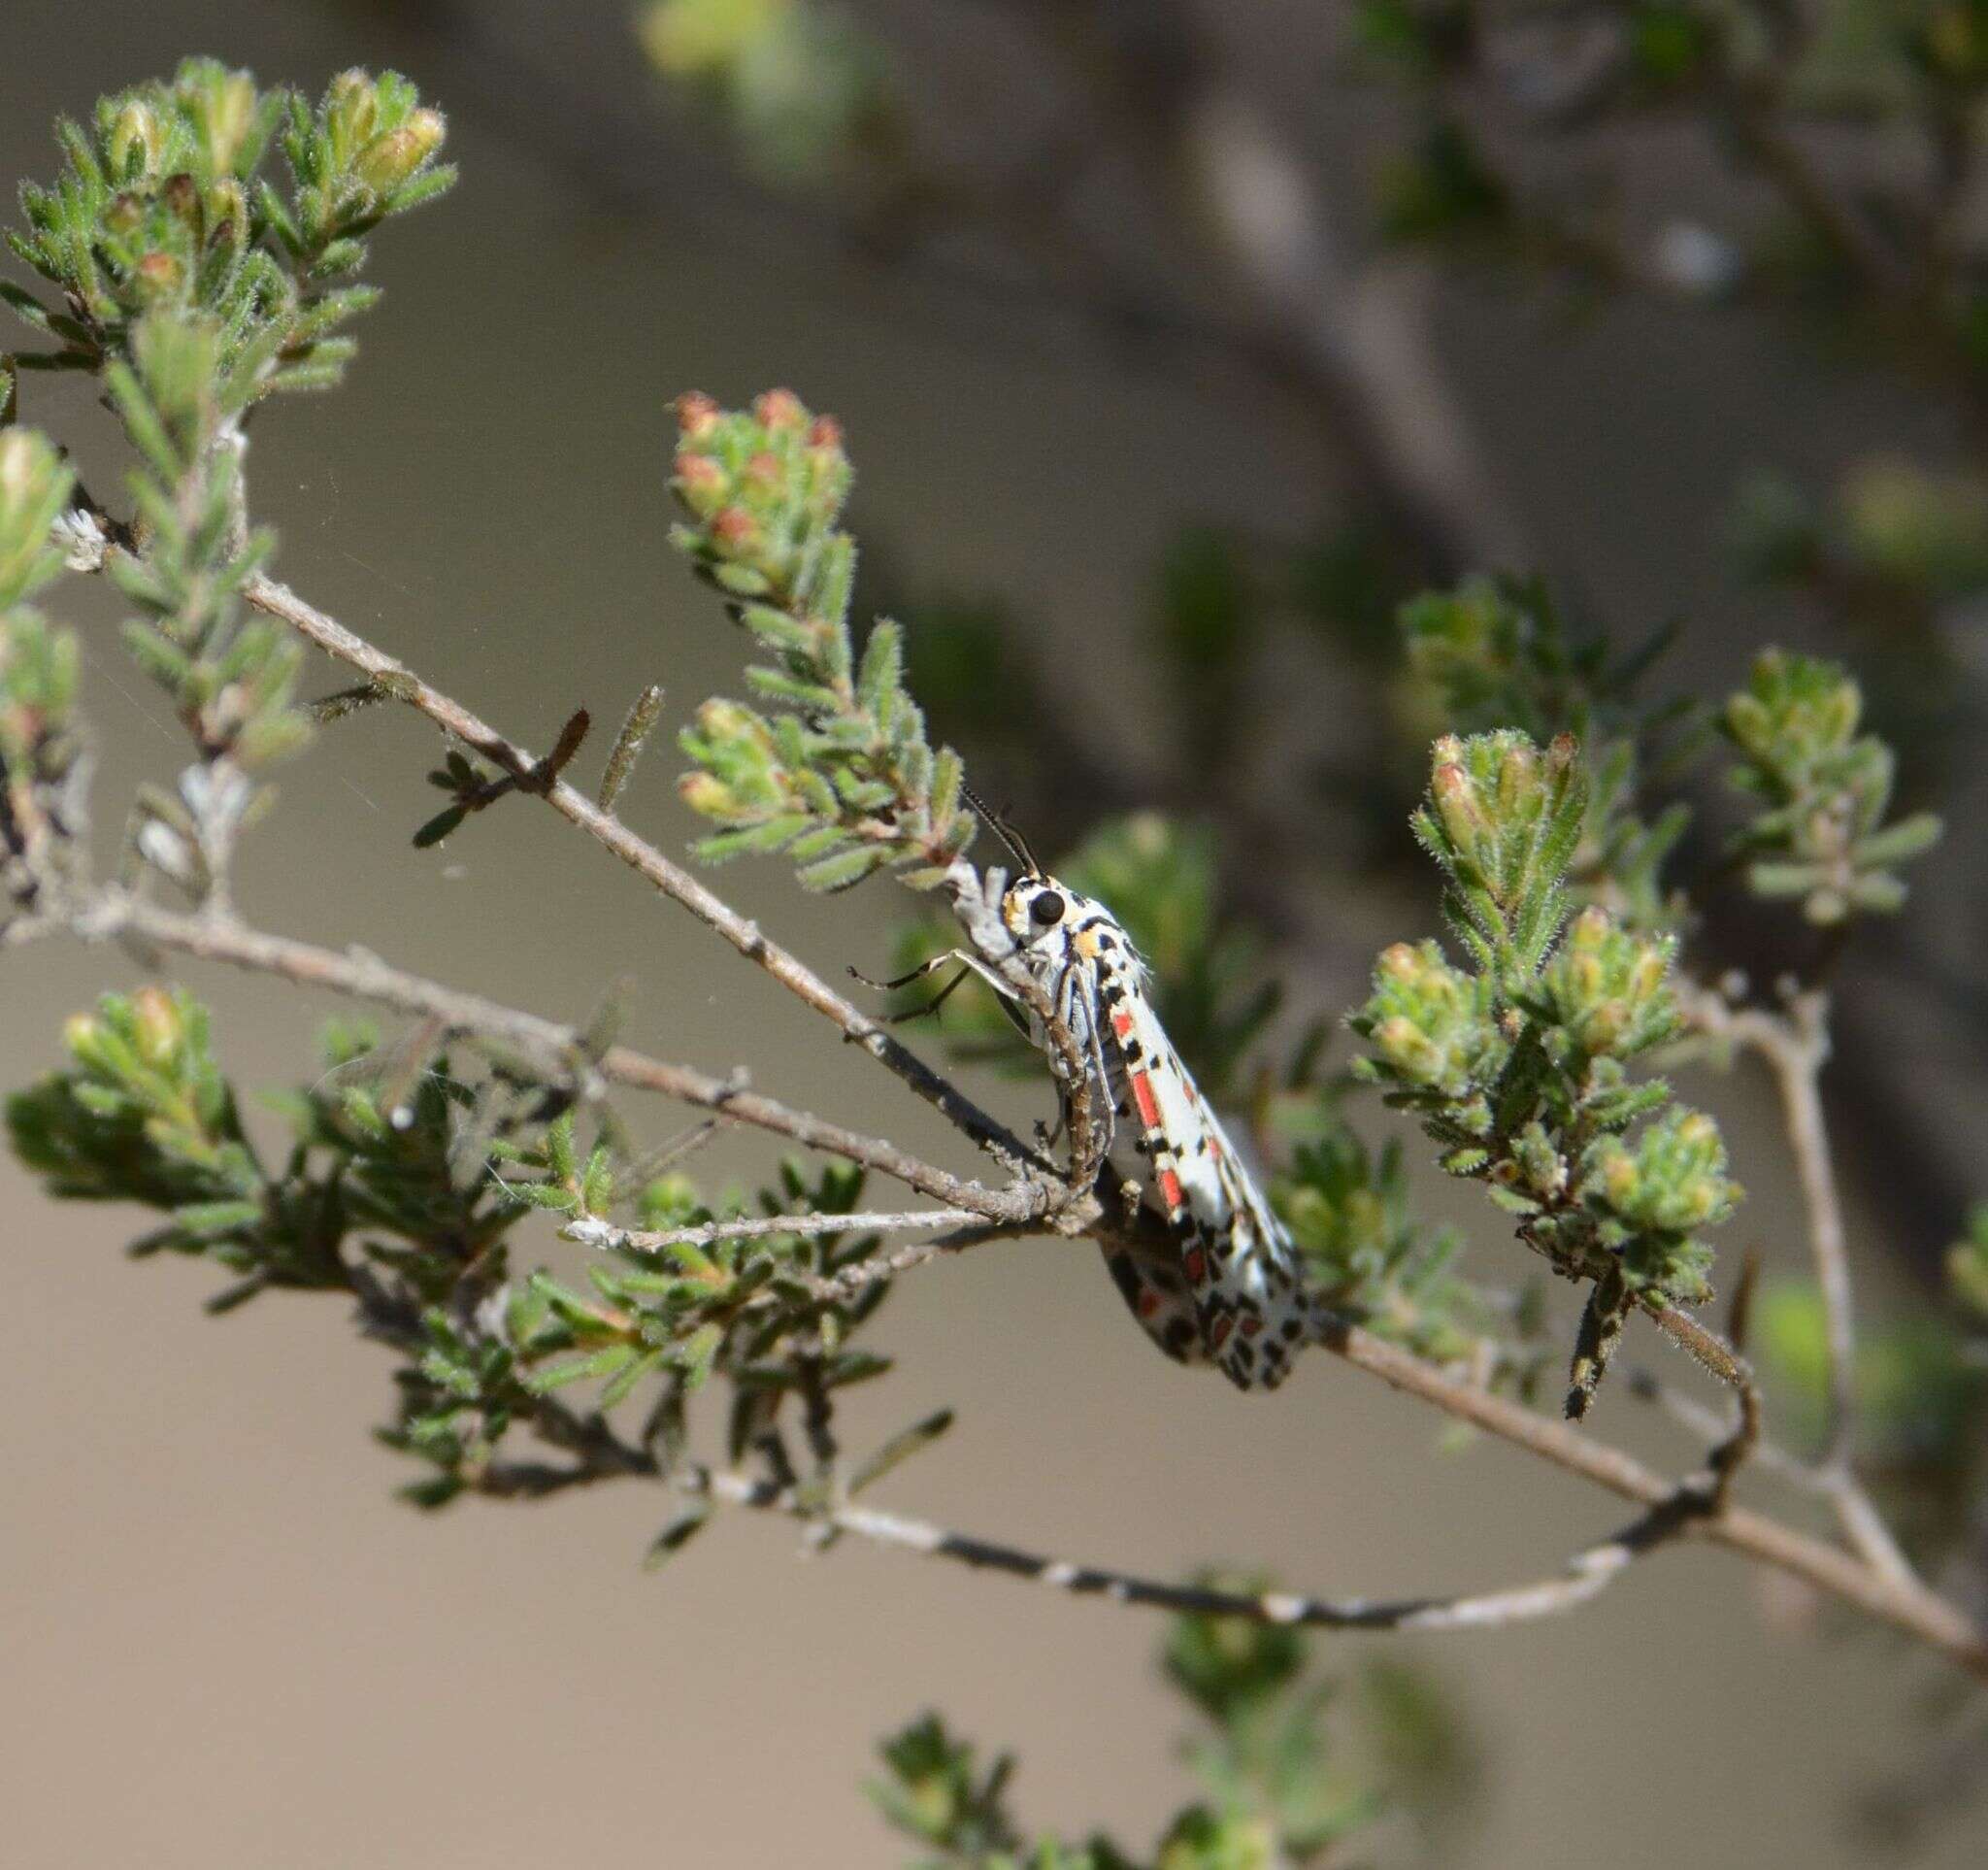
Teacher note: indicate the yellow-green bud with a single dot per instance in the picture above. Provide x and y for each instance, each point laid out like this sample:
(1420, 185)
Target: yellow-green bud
(353, 108)
(1647, 976)
(722, 719)
(1697, 1129)
(1519, 775)
(705, 794)
(388, 162)
(1402, 1044)
(230, 116)
(1401, 962)
(135, 133)
(157, 1023)
(1456, 804)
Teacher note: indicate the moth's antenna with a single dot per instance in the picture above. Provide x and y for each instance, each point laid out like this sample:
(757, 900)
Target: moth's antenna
(1017, 845)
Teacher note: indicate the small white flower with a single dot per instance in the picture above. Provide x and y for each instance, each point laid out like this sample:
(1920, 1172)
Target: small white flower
(78, 536)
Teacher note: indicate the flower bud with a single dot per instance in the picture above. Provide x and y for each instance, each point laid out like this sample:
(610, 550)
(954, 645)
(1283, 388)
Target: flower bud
(158, 276)
(1698, 1130)
(1518, 776)
(1456, 804)
(701, 483)
(735, 530)
(721, 719)
(824, 431)
(1401, 1043)
(137, 141)
(81, 1032)
(779, 409)
(697, 414)
(353, 108)
(157, 1025)
(390, 161)
(230, 117)
(763, 473)
(705, 794)
(1401, 962)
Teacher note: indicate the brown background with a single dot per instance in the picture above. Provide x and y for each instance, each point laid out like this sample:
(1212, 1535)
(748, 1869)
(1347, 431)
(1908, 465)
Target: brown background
(222, 1643)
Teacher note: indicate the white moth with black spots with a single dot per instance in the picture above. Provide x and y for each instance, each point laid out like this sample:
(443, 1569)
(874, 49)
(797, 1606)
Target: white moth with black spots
(1238, 1298)
(1231, 1292)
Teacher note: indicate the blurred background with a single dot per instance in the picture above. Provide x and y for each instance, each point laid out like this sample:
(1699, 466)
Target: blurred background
(1176, 343)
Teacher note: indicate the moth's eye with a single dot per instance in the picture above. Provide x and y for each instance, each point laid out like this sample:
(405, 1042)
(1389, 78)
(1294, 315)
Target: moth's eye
(1048, 908)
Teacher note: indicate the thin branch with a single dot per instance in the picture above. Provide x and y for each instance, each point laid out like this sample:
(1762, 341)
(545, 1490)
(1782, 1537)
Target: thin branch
(671, 879)
(113, 915)
(1795, 1045)
(590, 1233)
(1903, 1603)
(1705, 1423)
(1585, 1576)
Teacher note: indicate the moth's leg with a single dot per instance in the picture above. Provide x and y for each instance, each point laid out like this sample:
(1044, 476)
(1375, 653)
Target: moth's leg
(918, 973)
(968, 965)
(1076, 1000)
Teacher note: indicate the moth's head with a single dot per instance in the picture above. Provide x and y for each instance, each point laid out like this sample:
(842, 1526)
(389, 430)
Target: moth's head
(1032, 905)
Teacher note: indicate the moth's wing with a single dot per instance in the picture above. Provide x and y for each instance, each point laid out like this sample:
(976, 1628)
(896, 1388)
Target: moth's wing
(1151, 1283)
(1238, 1258)
(1155, 1293)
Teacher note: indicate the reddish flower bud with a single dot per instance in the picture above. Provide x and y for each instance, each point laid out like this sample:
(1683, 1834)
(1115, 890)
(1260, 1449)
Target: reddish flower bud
(824, 431)
(697, 414)
(764, 473)
(159, 273)
(735, 529)
(779, 409)
(699, 480)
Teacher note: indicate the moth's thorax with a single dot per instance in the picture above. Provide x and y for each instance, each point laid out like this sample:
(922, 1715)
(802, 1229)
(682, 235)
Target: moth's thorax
(1054, 926)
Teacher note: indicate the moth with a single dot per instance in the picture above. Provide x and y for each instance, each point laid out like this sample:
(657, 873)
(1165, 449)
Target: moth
(1232, 1293)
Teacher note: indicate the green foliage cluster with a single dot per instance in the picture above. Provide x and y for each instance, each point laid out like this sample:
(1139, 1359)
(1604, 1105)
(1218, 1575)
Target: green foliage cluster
(404, 1179)
(162, 212)
(1517, 1061)
(1496, 652)
(842, 777)
(1894, 537)
(195, 290)
(231, 682)
(1369, 1256)
(1824, 792)
(385, 1189)
(800, 90)
(1275, 1784)
(40, 746)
